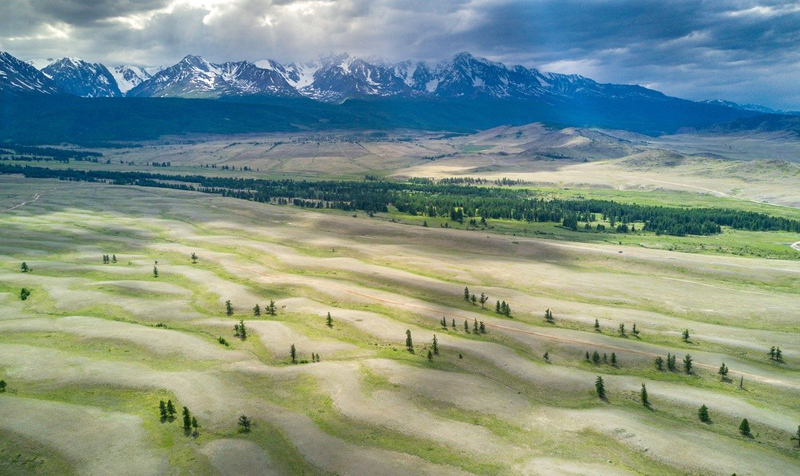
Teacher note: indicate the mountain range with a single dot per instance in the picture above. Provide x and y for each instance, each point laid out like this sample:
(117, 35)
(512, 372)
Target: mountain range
(74, 101)
(330, 78)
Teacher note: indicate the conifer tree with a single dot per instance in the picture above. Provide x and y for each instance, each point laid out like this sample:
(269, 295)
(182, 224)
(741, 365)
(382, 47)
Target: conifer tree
(170, 409)
(113, 258)
(798, 436)
(293, 354)
(497, 307)
(507, 311)
(329, 320)
(483, 328)
(744, 427)
(546, 357)
(435, 345)
(430, 356)
(687, 364)
(483, 300)
(195, 425)
(242, 330)
(162, 410)
(466, 326)
(466, 294)
(659, 363)
(475, 326)
(257, 310)
(228, 307)
(155, 272)
(741, 382)
(702, 414)
(685, 335)
(635, 331)
(187, 419)
(643, 394)
(587, 356)
(3, 385)
(600, 387)
(194, 258)
(410, 343)
(444, 323)
(24, 267)
(548, 316)
(778, 355)
(605, 358)
(614, 359)
(622, 330)
(244, 422)
(597, 325)
(772, 353)
(271, 310)
(474, 300)
(454, 323)
(596, 357)
(723, 370)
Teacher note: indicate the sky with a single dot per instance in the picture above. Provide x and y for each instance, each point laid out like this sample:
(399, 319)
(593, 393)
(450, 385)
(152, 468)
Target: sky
(739, 50)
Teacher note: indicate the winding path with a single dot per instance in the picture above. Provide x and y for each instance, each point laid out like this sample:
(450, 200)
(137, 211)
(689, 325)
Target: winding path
(35, 198)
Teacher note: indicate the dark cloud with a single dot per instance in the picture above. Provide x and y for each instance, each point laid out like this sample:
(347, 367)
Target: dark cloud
(741, 50)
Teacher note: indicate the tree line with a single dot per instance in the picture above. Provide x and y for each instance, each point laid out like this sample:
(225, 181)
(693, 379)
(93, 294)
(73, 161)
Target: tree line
(453, 201)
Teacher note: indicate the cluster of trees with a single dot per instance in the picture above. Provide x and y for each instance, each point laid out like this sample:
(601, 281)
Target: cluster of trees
(107, 259)
(478, 327)
(167, 412)
(271, 309)
(503, 308)
(31, 153)
(672, 363)
(438, 200)
(475, 299)
(240, 331)
(775, 354)
(596, 359)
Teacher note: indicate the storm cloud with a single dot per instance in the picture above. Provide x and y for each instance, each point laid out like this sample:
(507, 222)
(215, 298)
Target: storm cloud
(745, 51)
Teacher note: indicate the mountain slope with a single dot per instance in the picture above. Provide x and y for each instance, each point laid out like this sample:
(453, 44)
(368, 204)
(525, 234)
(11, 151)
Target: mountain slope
(194, 77)
(19, 77)
(75, 76)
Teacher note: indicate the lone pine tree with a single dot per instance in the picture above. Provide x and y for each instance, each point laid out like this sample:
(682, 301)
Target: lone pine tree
(162, 410)
(435, 345)
(329, 320)
(744, 427)
(24, 267)
(244, 422)
(293, 354)
(685, 335)
(466, 294)
(597, 325)
(600, 387)
(410, 343)
(228, 307)
(155, 271)
(170, 409)
(643, 395)
(257, 310)
(659, 363)
(702, 414)
(687, 364)
(187, 419)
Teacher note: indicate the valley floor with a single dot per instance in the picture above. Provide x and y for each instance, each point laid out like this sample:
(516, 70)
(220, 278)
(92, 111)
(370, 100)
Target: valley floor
(90, 353)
